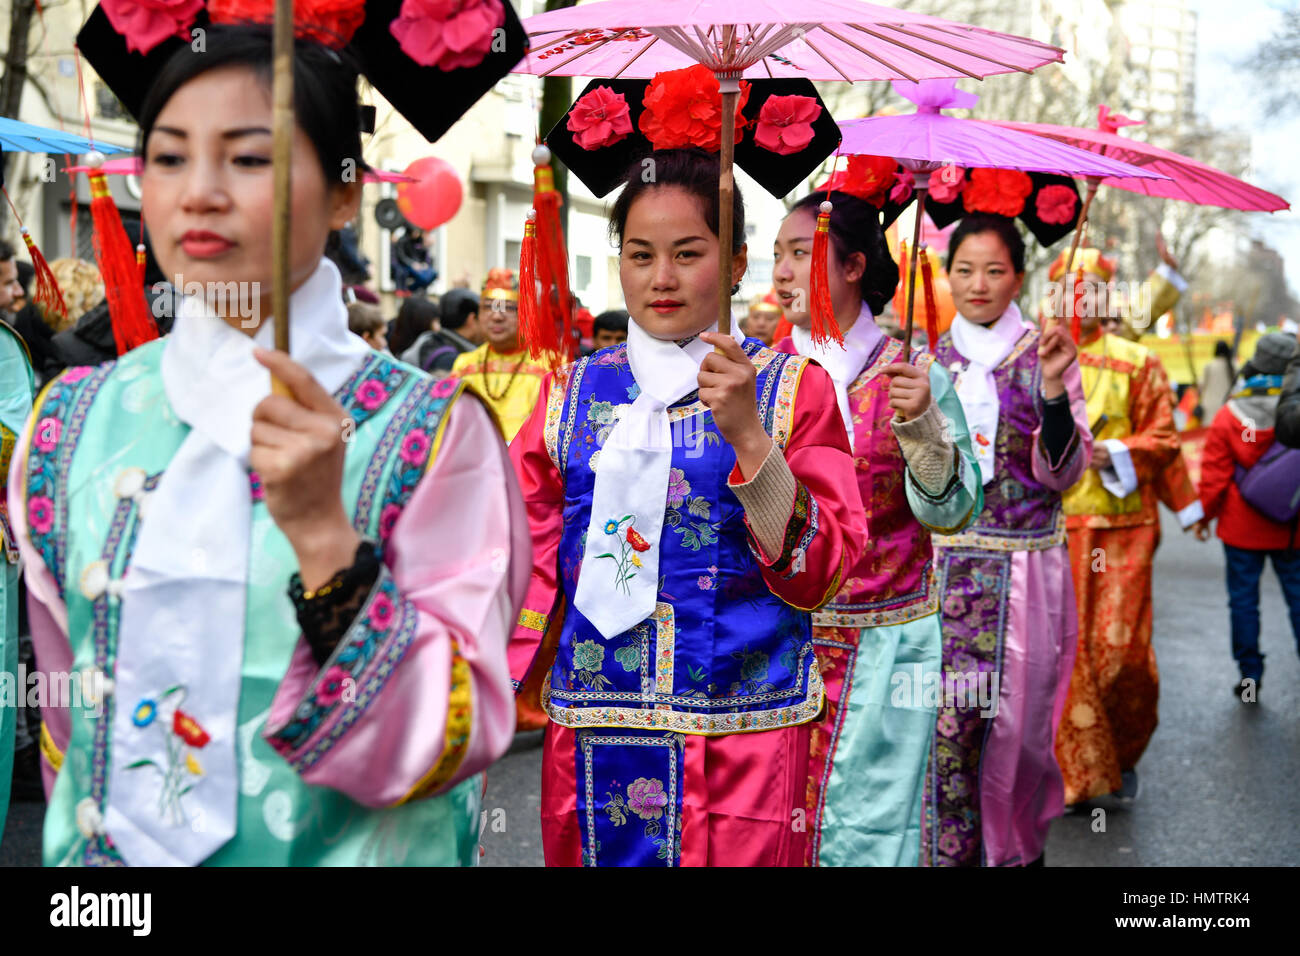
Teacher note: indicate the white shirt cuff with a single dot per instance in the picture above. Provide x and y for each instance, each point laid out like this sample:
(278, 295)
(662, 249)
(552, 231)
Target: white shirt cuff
(1191, 514)
(1166, 272)
(1120, 479)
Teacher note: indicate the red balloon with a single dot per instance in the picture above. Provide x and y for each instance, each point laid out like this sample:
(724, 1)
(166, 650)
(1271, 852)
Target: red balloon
(435, 198)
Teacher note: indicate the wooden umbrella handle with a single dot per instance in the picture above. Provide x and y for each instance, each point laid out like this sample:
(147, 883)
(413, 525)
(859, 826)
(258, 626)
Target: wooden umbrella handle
(282, 124)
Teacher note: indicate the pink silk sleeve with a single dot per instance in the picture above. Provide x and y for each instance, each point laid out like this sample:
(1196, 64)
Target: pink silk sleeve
(435, 706)
(47, 616)
(826, 530)
(1078, 453)
(543, 492)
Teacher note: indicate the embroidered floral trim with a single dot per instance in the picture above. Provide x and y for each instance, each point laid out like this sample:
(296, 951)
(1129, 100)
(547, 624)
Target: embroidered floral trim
(1006, 539)
(350, 680)
(920, 604)
(794, 529)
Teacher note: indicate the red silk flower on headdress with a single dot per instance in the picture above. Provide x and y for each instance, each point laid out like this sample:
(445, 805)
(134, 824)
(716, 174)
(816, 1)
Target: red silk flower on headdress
(599, 119)
(328, 22)
(146, 23)
(448, 34)
(1055, 205)
(999, 191)
(870, 178)
(684, 108)
(785, 123)
(947, 183)
(902, 190)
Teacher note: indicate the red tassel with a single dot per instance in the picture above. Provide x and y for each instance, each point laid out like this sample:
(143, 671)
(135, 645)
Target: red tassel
(931, 309)
(824, 327)
(127, 308)
(49, 297)
(1076, 318)
(537, 336)
(555, 301)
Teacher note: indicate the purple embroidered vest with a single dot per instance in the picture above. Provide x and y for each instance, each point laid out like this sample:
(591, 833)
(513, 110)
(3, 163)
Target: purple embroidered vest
(1020, 514)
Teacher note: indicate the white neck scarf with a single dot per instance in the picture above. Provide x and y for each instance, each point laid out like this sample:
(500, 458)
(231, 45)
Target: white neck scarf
(619, 578)
(843, 364)
(985, 347)
(172, 794)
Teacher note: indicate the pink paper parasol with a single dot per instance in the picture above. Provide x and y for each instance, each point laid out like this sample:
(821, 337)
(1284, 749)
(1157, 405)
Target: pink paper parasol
(926, 140)
(1187, 179)
(824, 40)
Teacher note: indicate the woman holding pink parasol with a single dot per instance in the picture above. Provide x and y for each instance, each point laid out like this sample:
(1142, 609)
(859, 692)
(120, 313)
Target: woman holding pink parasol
(691, 497)
(281, 663)
(878, 641)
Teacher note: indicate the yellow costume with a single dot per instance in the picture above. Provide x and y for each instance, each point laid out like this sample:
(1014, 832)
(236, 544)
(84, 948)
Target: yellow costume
(508, 384)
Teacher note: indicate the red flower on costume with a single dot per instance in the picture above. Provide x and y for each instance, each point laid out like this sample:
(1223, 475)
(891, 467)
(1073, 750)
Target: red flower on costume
(599, 119)
(999, 191)
(1056, 204)
(902, 190)
(785, 123)
(146, 23)
(188, 729)
(684, 108)
(870, 178)
(448, 34)
(330, 22)
(947, 183)
(637, 542)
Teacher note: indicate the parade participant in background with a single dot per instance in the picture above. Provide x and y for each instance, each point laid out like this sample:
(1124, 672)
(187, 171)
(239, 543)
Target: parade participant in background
(303, 672)
(1008, 605)
(609, 328)
(1216, 383)
(691, 498)
(916, 475)
(16, 388)
(458, 332)
(1114, 528)
(416, 316)
(368, 322)
(1240, 453)
(761, 320)
(500, 370)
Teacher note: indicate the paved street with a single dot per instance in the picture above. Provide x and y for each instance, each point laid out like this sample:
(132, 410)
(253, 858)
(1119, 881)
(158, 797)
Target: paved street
(1218, 781)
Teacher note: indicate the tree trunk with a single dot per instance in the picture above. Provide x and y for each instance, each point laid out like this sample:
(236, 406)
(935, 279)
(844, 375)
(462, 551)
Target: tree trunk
(15, 76)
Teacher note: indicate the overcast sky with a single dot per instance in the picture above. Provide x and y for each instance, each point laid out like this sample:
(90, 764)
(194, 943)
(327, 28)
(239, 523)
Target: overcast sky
(1227, 96)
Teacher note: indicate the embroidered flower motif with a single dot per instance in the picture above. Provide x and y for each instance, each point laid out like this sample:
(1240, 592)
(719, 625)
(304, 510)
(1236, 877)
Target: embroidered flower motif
(646, 798)
(633, 392)
(611, 526)
(678, 488)
(76, 374)
(40, 514)
(387, 518)
(947, 724)
(192, 765)
(947, 183)
(601, 118)
(713, 569)
(1056, 204)
(753, 665)
(602, 413)
(684, 108)
(636, 561)
(146, 23)
(145, 712)
(999, 191)
(448, 34)
(48, 432)
(331, 686)
(371, 394)
(443, 387)
(415, 448)
(706, 583)
(382, 611)
(588, 656)
(949, 844)
(188, 729)
(637, 542)
(255, 486)
(785, 123)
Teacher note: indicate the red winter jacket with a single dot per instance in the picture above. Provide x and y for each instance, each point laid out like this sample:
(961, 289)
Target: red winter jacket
(1240, 525)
